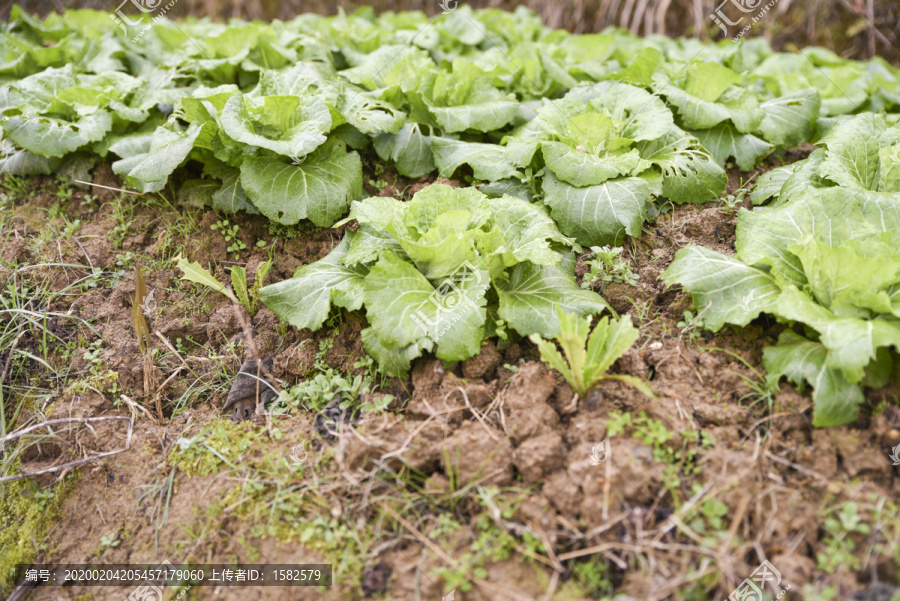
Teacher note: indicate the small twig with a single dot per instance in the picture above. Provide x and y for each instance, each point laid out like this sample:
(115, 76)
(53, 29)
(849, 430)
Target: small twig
(633, 548)
(796, 466)
(606, 526)
(171, 348)
(14, 435)
(607, 485)
(551, 588)
(78, 181)
(684, 414)
(340, 449)
(254, 352)
(90, 263)
(675, 518)
(409, 438)
(446, 558)
(163, 386)
(148, 371)
(462, 491)
(21, 591)
(768, 418)
(870, 21)
(735, 524)
(554, 561)
(135, 406)
(12, 350)
(612, 557)
(474, 412)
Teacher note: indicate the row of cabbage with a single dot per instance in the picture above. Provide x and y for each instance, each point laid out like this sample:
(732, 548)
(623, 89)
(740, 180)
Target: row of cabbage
(270, 118)
(822, 257)
(574, 140)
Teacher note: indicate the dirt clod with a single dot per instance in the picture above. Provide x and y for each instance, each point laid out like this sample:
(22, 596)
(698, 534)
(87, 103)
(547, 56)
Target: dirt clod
(484, 363)
(539, 456)
(375, 578)
(476, 453)
(526, 400)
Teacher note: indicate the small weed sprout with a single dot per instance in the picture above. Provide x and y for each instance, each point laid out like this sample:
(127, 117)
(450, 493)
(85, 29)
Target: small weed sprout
(244, 294)
(689, 325)
(125, 260)
(732, 202)
(249, 295)
(119, 232)
(378, 184)
(230, 233)
(607, 266)
(72, 228)
(840, 547)
(314, 394)
(63, 189)
(92, 356)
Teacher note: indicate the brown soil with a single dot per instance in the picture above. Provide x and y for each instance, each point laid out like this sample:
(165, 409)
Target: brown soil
(497, 420)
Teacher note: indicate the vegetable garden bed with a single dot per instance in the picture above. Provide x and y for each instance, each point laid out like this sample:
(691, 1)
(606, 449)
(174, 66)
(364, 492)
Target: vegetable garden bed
(408, 216)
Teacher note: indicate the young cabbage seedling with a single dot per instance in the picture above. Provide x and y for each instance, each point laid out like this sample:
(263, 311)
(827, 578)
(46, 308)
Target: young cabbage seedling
(587, 360)
(246, 296)
(249, 296)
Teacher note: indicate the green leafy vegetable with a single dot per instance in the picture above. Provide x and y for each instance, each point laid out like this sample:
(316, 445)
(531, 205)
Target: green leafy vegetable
(194, 272)
(825, 256)
(437, 272)
(584, 361)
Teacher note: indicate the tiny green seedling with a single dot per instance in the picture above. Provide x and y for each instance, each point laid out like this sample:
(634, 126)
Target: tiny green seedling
(317, 392)
(608, 266)
(124, 260)
(689, 324)
(230, 232)
(110, 540)
(582, 367)
(72, 228)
